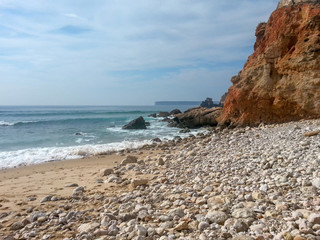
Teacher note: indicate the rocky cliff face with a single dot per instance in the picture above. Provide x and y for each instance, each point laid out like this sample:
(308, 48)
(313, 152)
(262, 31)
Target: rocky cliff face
(286, 3)
(197, 117)
(281, 79)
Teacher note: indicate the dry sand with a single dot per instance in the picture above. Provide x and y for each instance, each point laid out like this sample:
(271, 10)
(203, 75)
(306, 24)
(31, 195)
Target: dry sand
(18, 185)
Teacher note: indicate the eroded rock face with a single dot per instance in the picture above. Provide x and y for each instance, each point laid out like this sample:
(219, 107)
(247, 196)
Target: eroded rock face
(223, 99)
(287, 3)
(281, 80)
(197, 117)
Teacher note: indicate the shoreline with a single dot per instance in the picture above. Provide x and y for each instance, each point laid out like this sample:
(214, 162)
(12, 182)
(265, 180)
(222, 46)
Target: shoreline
(241, 183)
(67, 171)
(37, 134)
(80, 152)
(39, 155)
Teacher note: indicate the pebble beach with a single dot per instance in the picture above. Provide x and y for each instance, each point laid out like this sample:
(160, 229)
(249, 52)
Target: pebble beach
(242, 183)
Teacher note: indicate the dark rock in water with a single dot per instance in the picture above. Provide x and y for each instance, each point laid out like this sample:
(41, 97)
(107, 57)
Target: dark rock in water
(208, 103)
(148, 124)
(138, 123)
(186, 130)
(163, 114)
(175, 111)
(154, 115)
(156, 140)
(166, 120)
(174, 122)
(197, 117)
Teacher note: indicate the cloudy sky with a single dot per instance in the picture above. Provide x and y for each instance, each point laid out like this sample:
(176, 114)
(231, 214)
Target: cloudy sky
(123, 52)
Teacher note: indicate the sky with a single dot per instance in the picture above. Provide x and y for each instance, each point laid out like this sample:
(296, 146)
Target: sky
(123, 52)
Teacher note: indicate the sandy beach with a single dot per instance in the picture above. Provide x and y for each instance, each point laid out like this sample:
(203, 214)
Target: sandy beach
(243, 183)
(24, 188)
(19, 185)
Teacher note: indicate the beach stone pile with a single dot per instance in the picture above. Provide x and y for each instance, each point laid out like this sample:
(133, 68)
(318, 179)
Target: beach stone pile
(243, 183)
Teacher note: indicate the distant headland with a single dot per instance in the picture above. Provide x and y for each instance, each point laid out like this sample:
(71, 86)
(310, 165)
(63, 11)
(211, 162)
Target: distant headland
(177, 103)
(166, 103)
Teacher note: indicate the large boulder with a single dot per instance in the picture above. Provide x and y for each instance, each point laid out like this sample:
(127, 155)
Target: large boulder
(197, 117)
(163, 114)
(175, 111)
(280, 81)
(138, 123)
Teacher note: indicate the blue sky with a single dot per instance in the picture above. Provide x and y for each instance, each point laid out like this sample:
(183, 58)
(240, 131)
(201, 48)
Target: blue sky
(123, 52)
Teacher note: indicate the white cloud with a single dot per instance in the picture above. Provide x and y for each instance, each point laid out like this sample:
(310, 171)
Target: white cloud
(65, 42)
(71, 15)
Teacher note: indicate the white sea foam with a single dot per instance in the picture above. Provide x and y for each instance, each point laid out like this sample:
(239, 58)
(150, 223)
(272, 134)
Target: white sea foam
(4, 123)
(157, 129)
(134, 139)
(40, 155)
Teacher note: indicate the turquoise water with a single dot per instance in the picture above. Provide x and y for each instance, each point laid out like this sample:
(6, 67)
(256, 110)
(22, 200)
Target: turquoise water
(36, 134)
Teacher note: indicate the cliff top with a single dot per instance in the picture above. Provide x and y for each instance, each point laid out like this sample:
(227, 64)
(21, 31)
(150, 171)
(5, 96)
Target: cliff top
(286, 3)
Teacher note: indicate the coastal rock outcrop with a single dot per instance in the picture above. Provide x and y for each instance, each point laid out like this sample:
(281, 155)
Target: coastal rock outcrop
(286, 3)
(223, 99)
(175, 111)
(208, 103)
(197, 117)
(138, 123)
(163, 114)
(280, 81)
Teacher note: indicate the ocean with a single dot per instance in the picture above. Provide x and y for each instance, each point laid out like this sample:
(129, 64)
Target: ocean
(36, 134)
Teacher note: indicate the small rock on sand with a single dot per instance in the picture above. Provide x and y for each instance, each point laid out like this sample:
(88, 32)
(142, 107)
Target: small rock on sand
(87, 227)
(46, 199)
(78, 190)
(9, 238)
(312, 133)
(106, 172)
(243, 213)
(316, 182)
(182, 226)
(138, 182)
(128, 160)
(160, 161)
(72, 185)
(218, 217)
(16, 226)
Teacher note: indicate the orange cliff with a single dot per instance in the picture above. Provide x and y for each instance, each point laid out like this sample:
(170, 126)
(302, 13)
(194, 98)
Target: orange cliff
(280, 81)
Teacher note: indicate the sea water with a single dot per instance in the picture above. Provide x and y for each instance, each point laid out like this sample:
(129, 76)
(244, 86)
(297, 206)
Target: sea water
(30, 135)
